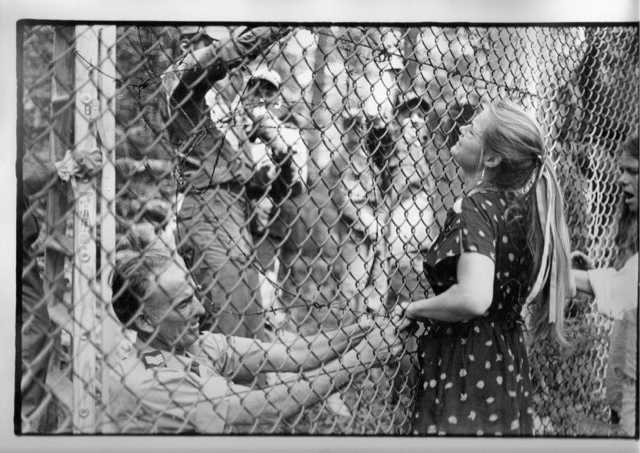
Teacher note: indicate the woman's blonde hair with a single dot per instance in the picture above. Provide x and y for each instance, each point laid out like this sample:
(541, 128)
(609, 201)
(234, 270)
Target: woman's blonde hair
(527, 174)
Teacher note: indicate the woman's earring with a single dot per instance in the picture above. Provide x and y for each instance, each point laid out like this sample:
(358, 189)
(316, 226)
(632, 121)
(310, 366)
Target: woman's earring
(481, 180)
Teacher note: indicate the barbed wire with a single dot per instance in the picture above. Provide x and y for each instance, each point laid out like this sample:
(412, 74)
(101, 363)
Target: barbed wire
(410, 59)
(145, 83)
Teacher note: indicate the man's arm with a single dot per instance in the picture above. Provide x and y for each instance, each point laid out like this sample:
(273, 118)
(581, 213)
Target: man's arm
(288, 398)
(582, 282)
(286, 175)
(196, 73)
(302, 353)
(615, 291)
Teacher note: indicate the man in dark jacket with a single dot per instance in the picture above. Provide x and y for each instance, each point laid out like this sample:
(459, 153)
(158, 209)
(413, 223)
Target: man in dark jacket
(213, 175)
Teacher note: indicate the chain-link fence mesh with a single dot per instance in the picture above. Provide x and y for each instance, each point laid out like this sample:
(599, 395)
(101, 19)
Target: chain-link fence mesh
(295, 234)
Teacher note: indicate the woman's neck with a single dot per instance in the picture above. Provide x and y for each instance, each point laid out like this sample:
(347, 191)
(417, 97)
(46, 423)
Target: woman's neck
(476, 181)
(471, 179)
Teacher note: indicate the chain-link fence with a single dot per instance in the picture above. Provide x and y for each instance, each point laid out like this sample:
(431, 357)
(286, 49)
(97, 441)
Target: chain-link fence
(292, 224)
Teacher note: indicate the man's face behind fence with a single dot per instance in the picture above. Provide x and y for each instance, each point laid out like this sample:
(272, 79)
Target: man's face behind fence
(628, 180)
(260, 96)
(172, 309)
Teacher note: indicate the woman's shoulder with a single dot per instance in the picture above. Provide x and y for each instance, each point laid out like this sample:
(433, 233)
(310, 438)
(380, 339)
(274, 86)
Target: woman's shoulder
(488, 197)
(479, 202)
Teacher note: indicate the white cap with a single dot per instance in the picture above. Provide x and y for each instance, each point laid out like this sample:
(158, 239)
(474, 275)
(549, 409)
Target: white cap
(222, 33)
(269, 75)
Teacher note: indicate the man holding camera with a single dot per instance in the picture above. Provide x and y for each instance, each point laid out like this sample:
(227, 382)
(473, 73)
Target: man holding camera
(217, 175)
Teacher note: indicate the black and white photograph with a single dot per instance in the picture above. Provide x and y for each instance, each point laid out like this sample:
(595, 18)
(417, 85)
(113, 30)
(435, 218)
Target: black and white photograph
(415, 229)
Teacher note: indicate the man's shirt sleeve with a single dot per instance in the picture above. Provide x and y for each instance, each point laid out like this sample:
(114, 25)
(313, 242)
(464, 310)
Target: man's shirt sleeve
(616, 291)
(223, 353)
(178, 400)
(198, 70)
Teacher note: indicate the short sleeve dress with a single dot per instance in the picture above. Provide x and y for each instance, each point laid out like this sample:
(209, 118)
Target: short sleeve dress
(474, 376)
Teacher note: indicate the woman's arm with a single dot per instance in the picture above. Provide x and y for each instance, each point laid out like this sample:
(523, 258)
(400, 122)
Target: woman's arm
(470, 297)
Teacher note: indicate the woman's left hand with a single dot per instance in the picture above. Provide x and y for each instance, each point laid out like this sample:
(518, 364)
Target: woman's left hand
(401, 318)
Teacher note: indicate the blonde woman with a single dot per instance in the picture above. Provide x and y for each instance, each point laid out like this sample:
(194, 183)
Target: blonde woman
(500, 247)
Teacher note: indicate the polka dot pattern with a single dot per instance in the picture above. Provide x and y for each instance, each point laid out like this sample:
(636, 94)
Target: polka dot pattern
(475, 376)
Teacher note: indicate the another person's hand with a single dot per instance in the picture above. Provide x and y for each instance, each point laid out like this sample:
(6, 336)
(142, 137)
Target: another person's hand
(266, 128)
(89, 162)
(370, 223)
(263, 208)
(366, 323)
(141, 234)
(157, 211)
(79, 163)
(382, 343)
(580, 261)
(414, 130)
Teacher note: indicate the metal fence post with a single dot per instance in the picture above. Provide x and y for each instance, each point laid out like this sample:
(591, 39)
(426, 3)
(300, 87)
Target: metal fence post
(107, 133)
(58, 202)
(318, 111)
(84, 270)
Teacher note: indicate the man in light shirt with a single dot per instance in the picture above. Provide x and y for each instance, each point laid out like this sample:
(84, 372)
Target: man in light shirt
(170, 378)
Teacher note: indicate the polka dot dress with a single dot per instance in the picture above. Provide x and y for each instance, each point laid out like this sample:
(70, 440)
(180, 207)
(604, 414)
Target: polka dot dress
(474, 376)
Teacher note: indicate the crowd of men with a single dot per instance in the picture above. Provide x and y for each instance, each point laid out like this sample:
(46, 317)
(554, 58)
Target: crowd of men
(273, 289)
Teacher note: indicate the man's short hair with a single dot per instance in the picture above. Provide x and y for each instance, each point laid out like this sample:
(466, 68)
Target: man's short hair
(411, 102)
(132, 277)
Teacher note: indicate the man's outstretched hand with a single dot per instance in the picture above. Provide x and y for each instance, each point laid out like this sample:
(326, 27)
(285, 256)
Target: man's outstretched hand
(80, 164)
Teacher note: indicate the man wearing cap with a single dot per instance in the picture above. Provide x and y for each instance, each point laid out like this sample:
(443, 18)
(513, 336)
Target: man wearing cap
(213, 175)
(411, 188)
(281, 162)
(275, 143)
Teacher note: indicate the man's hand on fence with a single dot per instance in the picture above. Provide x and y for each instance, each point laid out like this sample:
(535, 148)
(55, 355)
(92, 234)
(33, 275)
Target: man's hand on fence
(266, 128)
(157, 212)
(381, 344)
(79, 163)
(145, 234)
(262, 209)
